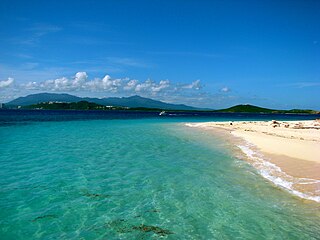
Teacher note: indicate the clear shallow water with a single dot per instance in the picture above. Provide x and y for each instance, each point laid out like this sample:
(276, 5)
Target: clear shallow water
(137, 179)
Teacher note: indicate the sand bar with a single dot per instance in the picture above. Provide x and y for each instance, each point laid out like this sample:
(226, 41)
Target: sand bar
(292, 146)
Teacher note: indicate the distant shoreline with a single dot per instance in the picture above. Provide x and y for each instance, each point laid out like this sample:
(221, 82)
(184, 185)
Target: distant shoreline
(66, 101)
(142, 109)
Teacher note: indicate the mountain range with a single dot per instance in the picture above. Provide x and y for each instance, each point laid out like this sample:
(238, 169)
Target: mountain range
(131, 102)
(67, 101)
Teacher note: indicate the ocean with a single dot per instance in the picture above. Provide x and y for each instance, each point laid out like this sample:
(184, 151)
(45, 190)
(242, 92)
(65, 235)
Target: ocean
(137, 175)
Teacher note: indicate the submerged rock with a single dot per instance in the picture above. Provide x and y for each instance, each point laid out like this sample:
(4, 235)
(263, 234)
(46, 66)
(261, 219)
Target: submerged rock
(44, 217)
(157, 230)
(120, 226)
(153, 210)
(96, 195)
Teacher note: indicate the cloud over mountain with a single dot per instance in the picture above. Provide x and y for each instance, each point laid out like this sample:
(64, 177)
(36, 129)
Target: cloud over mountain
(81, 82)
(6, 83)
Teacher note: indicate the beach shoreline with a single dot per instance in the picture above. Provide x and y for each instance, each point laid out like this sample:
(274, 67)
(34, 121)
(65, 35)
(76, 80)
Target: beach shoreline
(286, 153)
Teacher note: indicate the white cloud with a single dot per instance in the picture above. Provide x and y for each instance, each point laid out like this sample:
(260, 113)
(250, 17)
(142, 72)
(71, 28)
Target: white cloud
(79, 79)
(131, 84)
(81, 82)
(194, 85)
(151, 87)
(163, 84)
(6, 83)
(81, 76)
(107, 86)
(225, 89)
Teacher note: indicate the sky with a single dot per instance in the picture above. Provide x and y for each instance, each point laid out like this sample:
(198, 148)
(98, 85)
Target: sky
(201, 53)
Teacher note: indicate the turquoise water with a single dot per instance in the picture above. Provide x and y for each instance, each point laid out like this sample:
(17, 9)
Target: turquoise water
(138, 179)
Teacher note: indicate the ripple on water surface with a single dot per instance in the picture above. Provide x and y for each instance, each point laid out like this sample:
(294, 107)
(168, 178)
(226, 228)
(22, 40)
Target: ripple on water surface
(137, 179)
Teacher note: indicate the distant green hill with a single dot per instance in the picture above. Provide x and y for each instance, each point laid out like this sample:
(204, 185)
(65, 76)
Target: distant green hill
(85, 105)
(254, 109)
(247, 109)
(131, 102)
(82, 105)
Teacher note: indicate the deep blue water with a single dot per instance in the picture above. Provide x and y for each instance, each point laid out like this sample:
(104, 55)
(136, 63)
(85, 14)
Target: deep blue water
(15, 116)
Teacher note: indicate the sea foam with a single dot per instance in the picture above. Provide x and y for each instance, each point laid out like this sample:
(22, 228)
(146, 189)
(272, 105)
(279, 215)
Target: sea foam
(275, 174)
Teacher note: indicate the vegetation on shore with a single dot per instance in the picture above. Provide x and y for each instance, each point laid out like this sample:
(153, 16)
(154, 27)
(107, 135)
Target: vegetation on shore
(254, 109)
(85, 105)
(82, 105)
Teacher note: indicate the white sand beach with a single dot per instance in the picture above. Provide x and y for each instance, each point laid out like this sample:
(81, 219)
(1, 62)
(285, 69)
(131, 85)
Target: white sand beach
(292, 148)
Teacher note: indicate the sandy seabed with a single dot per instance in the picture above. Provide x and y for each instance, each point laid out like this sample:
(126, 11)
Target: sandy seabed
(286, 153)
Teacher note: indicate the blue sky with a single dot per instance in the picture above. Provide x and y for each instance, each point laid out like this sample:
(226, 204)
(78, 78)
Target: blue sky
(202, 53)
